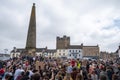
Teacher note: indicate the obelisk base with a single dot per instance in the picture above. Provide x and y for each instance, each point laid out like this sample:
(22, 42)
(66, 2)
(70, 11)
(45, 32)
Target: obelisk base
(31, 52)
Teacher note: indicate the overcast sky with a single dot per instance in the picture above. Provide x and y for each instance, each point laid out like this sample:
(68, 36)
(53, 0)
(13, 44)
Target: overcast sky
(90, 22)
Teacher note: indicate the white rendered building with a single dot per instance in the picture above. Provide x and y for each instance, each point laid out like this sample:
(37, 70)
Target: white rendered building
(75, 52)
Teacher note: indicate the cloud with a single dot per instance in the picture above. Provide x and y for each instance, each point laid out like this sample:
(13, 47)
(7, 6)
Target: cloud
(90, 22)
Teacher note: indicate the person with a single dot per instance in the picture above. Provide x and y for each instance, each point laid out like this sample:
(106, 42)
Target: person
(2, 71)
(7, 77)
(89, 77)
(94, 76)
(20, 76)
(53, 75)
(115, 77)
(59, 76)
(74, 73)
(18, 72)
(103, 72)
(78, 64)
(103, 77)
(30, 72)
(109, 72)
(73, 62)
(35, 76)
(79, 77)
(69, 69)
(26, 76)
(67, 77)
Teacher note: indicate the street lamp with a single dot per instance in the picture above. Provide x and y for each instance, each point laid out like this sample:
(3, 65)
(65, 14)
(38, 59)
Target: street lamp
(14, 49)
(5, 51)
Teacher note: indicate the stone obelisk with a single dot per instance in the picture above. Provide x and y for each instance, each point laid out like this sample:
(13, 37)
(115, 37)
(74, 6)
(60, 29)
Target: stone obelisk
(31, 36)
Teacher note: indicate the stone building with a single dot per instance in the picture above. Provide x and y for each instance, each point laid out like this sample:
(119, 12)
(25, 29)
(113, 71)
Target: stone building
(108, 55)
(62, 42)
(64, 47)
(16, 52)
(104, 55)
(91, 51)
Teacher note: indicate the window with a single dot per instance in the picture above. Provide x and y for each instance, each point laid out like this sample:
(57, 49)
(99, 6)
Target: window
(73, 50)
(59, 50)
(79, 54)
(79, 51)
(70, 54)
(76, 50)
(59, 53)
(63, 53)
(63, 50)
(70, 50)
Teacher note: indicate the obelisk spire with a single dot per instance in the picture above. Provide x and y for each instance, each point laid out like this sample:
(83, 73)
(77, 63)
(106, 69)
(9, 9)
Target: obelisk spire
(31, 36)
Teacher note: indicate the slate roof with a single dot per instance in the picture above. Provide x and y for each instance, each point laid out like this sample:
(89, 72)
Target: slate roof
(51, 50)
(75, 47)
(37, 50)
(19, 50)
(91, 46)
(40, 49)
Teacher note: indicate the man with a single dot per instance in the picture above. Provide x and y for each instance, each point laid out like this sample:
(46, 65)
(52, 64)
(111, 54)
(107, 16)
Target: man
(69, 69)
(18, 72)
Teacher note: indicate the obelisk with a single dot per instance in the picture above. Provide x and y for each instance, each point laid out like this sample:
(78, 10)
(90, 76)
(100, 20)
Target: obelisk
(31, 36)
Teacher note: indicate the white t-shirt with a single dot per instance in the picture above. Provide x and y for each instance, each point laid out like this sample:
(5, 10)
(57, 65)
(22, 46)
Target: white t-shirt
(17, 73)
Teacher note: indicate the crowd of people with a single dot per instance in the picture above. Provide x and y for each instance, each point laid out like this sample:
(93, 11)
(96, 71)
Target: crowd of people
(43, 68)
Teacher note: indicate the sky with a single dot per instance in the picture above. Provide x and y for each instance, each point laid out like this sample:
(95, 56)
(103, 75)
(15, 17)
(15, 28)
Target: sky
(91, 22)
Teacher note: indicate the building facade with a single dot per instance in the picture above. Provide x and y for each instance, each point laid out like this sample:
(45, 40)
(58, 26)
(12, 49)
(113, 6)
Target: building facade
(51, 53)
(91, 51)
(75, 52)
(63, 50)
(62, 42)
(62, 53)
(17, 52)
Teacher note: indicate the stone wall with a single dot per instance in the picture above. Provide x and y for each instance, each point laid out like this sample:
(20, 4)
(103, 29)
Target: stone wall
(62, 42)
(90, 50)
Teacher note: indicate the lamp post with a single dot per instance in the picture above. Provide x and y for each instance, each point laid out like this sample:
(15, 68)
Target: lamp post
(5, 50)
(14, 51)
